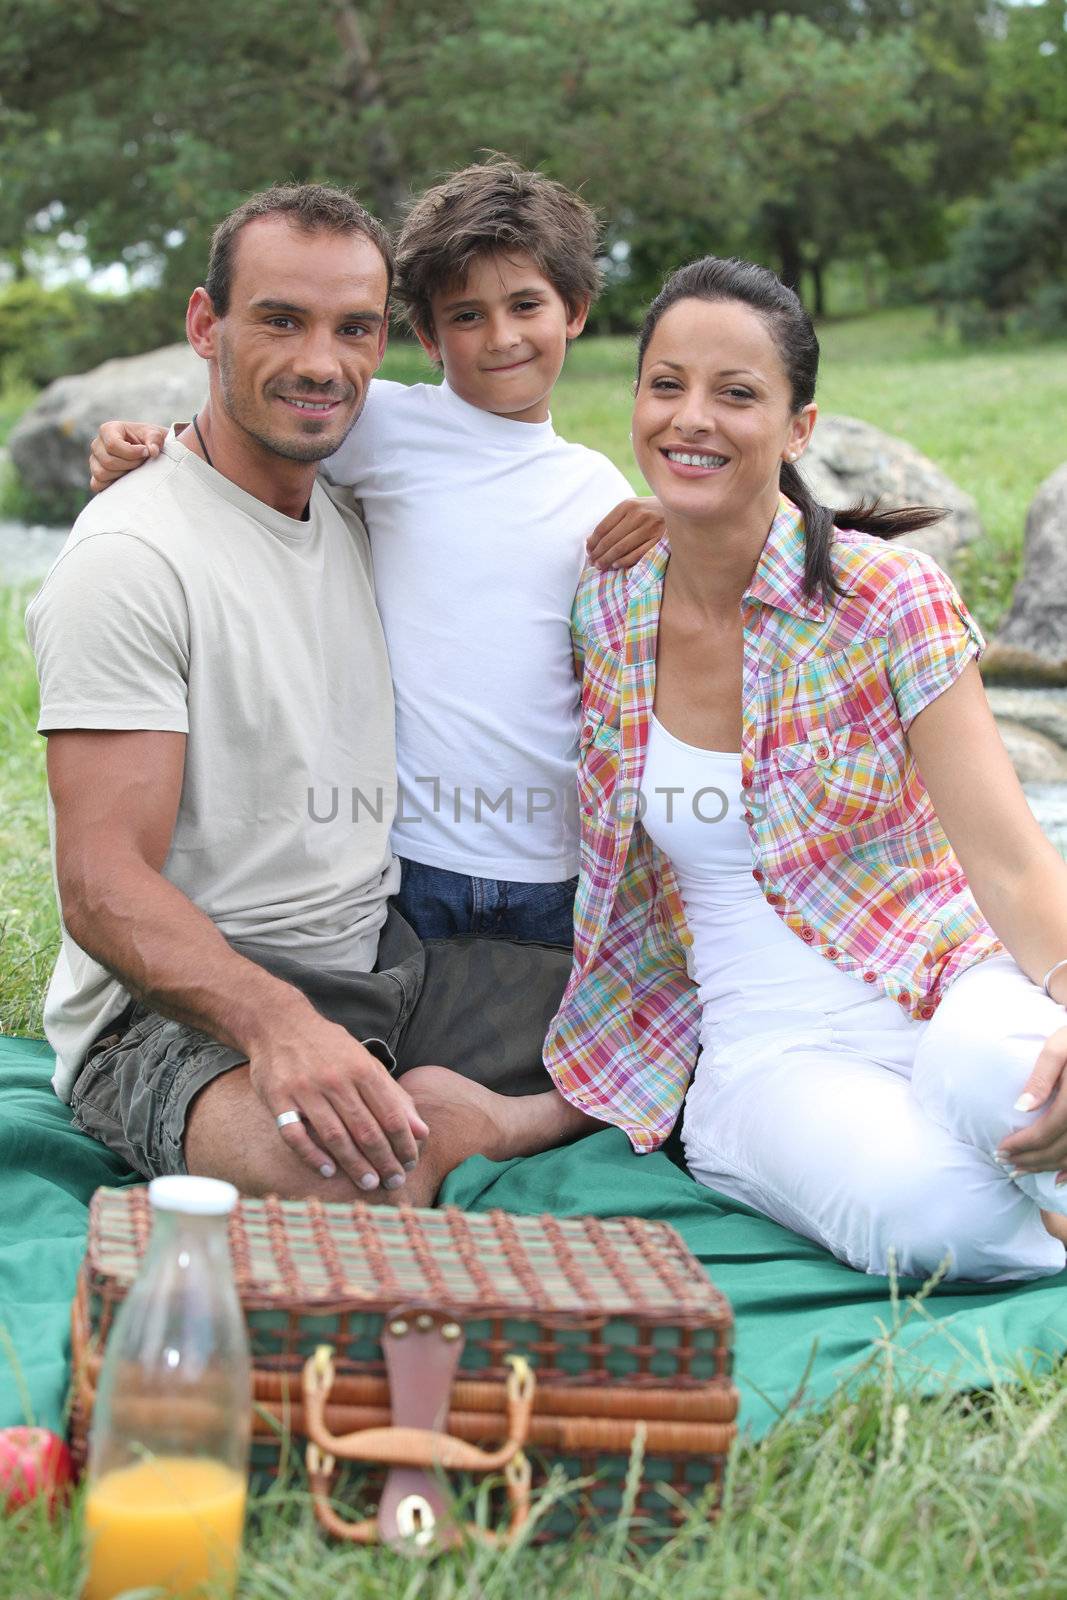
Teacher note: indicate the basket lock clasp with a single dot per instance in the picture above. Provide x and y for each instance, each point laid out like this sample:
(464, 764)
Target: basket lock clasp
(422, 1347)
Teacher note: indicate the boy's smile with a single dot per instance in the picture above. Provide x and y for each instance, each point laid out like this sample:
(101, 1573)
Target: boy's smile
(501, 337)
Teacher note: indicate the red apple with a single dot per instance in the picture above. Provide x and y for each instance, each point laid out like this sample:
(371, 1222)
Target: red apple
(33, 1462)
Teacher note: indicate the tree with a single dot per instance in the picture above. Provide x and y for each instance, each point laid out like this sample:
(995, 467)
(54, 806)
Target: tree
(1008, 266)
(802, 131)
(1031, 81)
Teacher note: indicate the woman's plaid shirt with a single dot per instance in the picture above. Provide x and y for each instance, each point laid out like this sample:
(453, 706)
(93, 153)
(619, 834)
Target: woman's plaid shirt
(845, 842)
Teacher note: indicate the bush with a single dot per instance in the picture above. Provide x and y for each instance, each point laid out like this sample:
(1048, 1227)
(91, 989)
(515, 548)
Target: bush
(46, 333)
(1008, 263)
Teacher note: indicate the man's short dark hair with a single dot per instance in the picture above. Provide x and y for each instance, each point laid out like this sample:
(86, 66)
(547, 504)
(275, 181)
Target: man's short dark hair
(495, 208)
(312, 207)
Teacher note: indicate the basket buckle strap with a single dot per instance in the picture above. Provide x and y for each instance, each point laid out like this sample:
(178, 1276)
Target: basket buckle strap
(422, 1348)
(422, 1351)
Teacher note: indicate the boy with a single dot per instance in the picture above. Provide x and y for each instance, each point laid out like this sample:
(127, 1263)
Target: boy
(479, 515)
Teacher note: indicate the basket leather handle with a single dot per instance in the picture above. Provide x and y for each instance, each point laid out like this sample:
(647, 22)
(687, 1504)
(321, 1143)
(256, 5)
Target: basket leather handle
(422, 1349)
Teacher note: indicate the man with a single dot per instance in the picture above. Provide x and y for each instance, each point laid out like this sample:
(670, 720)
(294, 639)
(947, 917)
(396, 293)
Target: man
(233, 994)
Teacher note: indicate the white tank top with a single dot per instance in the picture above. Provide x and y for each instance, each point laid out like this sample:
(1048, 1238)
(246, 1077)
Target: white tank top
(746, 961)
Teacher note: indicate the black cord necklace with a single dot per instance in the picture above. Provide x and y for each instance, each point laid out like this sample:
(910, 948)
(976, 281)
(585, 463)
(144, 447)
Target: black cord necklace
(200, 441)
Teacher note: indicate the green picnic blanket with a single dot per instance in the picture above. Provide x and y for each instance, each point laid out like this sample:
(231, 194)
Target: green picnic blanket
(804, 1322)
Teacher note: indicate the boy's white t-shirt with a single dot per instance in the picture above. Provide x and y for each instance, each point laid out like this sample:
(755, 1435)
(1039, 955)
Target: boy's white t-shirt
(478, 528)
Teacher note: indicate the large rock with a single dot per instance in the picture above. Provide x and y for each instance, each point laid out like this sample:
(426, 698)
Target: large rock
(1031, 647)
(50, 443)
(1044, 711)
(1035, 757)
(848, 461)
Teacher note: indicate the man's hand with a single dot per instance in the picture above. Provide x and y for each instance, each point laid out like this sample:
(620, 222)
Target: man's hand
(355, 1116)
(119, 447)
(116, 796)
(622, 537)
(1042, 1147)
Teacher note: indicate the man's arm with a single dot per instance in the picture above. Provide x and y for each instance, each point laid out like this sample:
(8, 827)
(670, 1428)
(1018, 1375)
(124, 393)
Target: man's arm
(116, 800)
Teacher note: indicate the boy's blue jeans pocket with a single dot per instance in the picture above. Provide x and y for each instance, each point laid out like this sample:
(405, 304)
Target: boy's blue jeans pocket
(440, 904)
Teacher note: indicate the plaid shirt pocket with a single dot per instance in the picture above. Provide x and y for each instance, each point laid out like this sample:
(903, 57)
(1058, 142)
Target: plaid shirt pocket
(835, 780)
(598, 768)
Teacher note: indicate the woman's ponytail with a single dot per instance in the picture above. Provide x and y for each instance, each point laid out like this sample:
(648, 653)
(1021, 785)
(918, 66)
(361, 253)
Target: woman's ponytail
(820, 523)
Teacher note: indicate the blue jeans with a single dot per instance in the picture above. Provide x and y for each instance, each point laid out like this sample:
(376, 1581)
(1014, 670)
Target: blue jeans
(439, 904)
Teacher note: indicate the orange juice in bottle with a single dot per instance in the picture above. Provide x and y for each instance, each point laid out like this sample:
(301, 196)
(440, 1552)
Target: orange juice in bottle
(174, 1521)
(168, 1448)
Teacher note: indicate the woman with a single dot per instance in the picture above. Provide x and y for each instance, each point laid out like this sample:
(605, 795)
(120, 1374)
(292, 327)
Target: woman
(793, 790)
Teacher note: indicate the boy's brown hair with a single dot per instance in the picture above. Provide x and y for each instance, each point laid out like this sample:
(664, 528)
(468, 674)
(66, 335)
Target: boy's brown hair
(495, 208)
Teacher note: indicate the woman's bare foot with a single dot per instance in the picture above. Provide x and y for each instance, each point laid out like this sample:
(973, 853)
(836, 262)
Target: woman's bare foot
(1055, 1224)
(466, 1119)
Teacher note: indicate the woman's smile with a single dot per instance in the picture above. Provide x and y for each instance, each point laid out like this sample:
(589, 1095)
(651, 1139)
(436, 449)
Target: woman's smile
(713, 416)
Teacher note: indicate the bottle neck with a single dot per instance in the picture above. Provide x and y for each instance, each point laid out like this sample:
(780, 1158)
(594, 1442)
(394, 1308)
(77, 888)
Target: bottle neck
(180, 1232)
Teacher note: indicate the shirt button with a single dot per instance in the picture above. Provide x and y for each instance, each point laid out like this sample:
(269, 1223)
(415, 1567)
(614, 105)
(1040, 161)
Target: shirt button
(757, 874)
(807, 934)
(832, 953)
(746, 776)
(748, 816)
(822, 751)
(774, 899)
(870, 977)
(904, 997)
(587, 731)
(926, 1012)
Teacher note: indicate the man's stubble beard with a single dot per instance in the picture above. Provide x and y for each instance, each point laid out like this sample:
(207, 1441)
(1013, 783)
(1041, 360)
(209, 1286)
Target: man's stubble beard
(234, 392)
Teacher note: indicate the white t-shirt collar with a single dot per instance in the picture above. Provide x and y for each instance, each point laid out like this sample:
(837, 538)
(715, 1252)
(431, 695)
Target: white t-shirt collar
(519, 436)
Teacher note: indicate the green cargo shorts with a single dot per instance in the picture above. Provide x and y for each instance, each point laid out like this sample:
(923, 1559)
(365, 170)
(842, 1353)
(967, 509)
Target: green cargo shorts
(479, 1006)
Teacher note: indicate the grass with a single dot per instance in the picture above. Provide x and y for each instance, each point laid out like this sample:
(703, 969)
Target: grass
(29, 925)
(875, 1496)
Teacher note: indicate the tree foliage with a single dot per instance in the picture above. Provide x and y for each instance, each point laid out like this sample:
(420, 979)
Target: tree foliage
(1008, 267)
(802, 131)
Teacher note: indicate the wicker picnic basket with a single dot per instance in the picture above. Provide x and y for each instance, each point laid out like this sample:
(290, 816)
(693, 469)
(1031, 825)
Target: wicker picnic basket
(434, 1342)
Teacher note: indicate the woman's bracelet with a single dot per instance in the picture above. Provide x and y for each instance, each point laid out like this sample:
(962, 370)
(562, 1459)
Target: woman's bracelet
(1048, 975)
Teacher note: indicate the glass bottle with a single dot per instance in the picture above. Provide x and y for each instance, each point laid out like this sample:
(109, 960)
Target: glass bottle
(168, 1446)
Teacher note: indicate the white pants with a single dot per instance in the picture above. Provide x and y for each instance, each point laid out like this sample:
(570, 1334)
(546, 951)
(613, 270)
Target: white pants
(872, 1133)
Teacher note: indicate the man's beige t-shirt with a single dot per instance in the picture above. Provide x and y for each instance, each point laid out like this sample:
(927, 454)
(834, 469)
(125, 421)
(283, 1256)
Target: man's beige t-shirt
(181, 603)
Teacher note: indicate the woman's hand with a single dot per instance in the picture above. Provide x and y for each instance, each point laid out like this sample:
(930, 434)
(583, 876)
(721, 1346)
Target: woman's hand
(119, 447)
(1042, 1146)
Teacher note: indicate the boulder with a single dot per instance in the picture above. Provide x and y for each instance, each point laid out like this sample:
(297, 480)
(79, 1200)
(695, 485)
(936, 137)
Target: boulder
(50, 443)
(848, 461)
(1035, 757)
(1044, 711)
(1031, 647)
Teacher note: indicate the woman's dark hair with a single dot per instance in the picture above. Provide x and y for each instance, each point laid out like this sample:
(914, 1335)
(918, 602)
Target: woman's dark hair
(713, 278)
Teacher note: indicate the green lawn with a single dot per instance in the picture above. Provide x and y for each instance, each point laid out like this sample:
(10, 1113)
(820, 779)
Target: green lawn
(28, 923)
(874, 1497)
